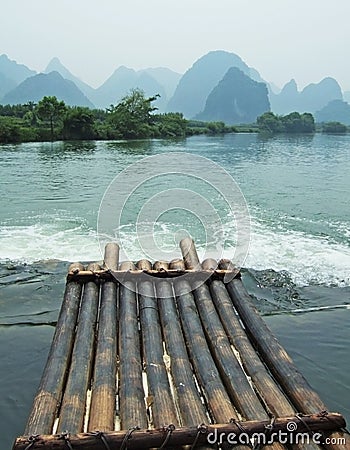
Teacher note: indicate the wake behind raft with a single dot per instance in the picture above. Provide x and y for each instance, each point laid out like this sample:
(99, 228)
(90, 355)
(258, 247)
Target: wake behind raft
(167, 355)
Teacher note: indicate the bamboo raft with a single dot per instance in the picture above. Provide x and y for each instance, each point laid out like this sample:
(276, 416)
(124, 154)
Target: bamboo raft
(168, 355)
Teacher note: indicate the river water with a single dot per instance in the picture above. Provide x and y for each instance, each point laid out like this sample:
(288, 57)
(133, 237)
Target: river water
(297, 267)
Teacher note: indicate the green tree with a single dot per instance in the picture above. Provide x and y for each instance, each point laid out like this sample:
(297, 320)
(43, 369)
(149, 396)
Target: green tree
(270, 123)
(291, 123)
(298, 123)
(132, 117)
(9, 130)
(216, 127)
(308, 123)
(78, 123)
(170, 125)
(334, 127)
(51, 110)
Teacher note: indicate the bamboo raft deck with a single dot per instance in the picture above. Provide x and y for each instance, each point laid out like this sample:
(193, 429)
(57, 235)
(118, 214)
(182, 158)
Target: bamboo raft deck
(168, 355)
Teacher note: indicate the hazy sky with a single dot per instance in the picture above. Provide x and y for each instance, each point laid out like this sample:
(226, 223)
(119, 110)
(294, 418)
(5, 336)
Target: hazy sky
(283, 39)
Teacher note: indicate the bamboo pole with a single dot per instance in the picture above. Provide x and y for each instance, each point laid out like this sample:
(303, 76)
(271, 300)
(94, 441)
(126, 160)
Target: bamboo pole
(210, 264)
(189, 254)
(49, 394)
(144, 264)
(230, 370)
(270, 393)
(177, 264)
(131, 394)
(235, 380)
(191, 407)
(228, 433)
(218, 401)
(73, 405)
(161, 265)
(298, 390)
(159, 398)
(127, 265)
(103, 392)
(132, 273)
(277, 403)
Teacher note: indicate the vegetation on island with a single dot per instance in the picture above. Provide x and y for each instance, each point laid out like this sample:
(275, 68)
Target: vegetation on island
(296, 123)
(334, 128)
(134, 117)
(291, 123)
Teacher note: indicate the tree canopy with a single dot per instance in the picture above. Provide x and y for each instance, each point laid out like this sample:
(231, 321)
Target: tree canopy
(78, 123)
(132, 117)
(291, 123)
(50, 109)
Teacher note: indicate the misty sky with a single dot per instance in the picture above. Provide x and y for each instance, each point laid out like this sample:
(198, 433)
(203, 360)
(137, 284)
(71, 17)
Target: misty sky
(283, 39)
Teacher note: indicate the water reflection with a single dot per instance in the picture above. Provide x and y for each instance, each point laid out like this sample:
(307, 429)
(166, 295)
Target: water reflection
(298, 139)
(65, 149)
(135, 147)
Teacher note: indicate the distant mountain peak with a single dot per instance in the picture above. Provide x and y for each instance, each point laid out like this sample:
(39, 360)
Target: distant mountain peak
(198, 81)
(312, 98)
(34, 88)
(14, 71)
(55, 60)
(236, 99)
(54, 63)
(290, 86)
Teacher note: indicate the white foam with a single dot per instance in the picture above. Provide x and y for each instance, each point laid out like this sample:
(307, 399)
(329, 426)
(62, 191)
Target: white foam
(308, 259)
(38, 242)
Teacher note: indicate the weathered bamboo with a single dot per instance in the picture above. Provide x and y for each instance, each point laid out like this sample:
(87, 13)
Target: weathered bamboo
(159, 396)
(111, 256)
(49, 394)
(161, 265)
(232, 433)
(191, 407)
(272, 396)
(210, 264)
(132, 402)
(189, 254)
(131, 273)
(298, 390)
(235, 380)
(74, 400)
(206, 371)
(127, 265)
(144, 264)
(177, 264)
(103, 392)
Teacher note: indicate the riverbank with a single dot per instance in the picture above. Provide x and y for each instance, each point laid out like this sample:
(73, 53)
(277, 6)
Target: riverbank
(134, 118)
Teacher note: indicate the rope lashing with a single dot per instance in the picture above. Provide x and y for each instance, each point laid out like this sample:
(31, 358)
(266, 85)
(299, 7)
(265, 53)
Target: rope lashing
(202, 429)
(170, 428)
(32, 439)
(127, 437)
(66, 437)
(100, 435)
